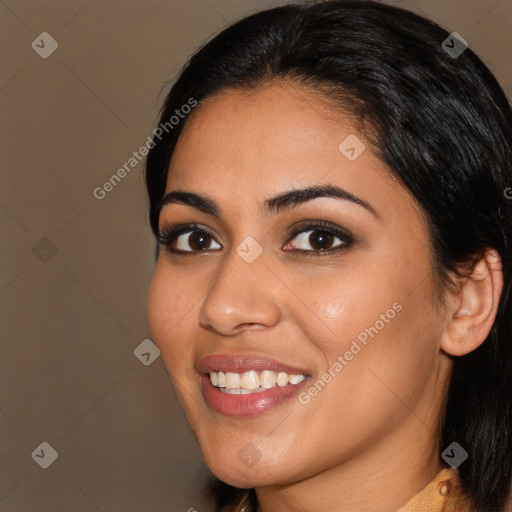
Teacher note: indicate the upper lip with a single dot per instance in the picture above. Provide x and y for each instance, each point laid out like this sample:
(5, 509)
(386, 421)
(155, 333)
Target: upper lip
(240, 363)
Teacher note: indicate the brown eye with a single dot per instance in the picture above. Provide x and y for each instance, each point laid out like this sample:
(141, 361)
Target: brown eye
(187, 239)
(319, 239)
(197, 240)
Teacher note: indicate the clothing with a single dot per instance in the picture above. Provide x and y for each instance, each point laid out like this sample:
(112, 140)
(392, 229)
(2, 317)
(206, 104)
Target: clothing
(444, 493)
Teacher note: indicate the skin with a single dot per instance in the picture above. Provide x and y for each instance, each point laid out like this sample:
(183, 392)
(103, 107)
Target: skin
(375, 423)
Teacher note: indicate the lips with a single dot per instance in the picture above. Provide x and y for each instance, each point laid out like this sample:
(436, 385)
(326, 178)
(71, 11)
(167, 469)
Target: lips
(243, 363)
(246, 404)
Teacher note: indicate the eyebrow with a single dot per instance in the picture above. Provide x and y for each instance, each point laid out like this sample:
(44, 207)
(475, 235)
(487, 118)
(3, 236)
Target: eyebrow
(274, 205)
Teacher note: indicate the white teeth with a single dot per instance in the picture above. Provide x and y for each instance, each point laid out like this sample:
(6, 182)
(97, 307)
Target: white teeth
(252, 382)
(232, 380)
(295, 379)
(268, 379)
(240, 391)
(282, 379)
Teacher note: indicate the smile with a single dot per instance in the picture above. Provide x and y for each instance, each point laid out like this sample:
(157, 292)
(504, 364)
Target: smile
(245, 385)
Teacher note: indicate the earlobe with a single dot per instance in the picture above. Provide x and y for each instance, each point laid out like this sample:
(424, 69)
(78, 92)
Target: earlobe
(474, 306)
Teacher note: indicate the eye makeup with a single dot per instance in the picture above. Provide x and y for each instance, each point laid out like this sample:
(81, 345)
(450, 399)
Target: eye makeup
(202, 236)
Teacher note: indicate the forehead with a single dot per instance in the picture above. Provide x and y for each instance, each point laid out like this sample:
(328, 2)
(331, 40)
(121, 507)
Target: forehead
(241, 147)
(273, 130)
(248, 127)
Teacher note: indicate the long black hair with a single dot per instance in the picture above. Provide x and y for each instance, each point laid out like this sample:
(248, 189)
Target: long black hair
(441, 123)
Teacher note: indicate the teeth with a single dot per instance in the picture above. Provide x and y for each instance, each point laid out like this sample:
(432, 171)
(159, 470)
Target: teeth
(240, 391)
(282, 379)
(252, 382)
(295, 379)
(232, 380)
(268, 379)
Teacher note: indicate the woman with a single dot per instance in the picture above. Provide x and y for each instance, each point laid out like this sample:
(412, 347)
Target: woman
(328, 185)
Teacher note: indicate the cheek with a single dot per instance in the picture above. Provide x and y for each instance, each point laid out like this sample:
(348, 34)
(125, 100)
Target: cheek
(384, 371)
(159, 295)
(344, 306)
(169, 310)
(379, 323)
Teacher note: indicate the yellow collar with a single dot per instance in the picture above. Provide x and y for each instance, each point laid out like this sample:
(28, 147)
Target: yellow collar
(444, 493)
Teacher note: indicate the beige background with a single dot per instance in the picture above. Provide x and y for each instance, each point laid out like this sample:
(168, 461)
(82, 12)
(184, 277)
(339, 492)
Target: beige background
(70, 324)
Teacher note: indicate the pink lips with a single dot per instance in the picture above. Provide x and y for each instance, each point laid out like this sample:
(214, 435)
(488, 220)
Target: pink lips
(250, 404)
(243, 363)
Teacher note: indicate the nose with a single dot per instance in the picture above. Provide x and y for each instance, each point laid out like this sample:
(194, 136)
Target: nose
(244, 296)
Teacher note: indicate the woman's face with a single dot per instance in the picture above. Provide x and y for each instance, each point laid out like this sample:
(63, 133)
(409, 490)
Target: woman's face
(341, 314)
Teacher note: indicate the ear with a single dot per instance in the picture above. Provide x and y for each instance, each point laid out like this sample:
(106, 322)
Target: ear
(472, 309)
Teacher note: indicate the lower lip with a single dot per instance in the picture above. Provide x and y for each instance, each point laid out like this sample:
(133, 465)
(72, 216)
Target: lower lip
(248, 405)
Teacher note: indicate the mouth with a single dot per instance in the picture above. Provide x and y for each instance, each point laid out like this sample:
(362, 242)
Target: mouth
(241, 385)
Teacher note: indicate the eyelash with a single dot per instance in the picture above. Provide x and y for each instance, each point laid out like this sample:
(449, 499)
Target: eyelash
(168, 236)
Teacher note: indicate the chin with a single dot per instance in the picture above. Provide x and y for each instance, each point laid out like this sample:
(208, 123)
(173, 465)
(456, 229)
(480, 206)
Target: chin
(247, 468)
(246, 478)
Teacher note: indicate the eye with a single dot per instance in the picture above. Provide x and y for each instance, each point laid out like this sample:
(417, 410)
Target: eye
(175, 239)
(321, 236)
